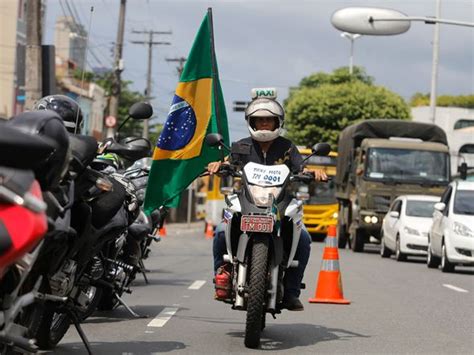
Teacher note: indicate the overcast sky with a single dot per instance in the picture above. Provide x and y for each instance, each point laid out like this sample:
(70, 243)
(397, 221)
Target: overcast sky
(275, 43)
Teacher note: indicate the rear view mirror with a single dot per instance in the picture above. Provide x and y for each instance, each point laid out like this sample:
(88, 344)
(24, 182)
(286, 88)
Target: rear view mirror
(439, 206)
(321, 149)
(214, 139)
(140, 111)
(394, 214)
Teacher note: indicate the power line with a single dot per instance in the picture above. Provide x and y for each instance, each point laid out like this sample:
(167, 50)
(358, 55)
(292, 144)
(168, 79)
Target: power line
(150, 44)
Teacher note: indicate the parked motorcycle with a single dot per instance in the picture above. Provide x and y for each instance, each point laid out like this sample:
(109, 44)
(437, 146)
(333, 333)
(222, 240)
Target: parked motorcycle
(263, 223)
(39, 143)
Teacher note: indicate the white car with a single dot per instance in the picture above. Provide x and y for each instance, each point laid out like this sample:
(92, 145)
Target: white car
(451, 238)
(406, 225)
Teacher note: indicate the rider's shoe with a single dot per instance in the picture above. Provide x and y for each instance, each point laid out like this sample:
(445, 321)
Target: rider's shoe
(292, 303)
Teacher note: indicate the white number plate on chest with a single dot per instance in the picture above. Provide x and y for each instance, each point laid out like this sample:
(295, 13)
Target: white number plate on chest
(262, 224)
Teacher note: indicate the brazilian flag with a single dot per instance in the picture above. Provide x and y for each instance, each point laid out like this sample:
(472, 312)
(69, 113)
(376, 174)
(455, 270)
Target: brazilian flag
(197, 109)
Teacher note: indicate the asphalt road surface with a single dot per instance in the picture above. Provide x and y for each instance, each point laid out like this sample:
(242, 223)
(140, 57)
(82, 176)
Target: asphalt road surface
(396, 308)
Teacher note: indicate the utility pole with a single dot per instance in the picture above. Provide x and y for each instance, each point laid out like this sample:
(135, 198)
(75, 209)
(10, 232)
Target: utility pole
(434, 67)
(118, 67)
(150, 44)
(33, 63)
(180, 67)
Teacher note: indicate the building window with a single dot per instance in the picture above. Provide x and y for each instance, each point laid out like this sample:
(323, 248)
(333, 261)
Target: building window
(463, 123)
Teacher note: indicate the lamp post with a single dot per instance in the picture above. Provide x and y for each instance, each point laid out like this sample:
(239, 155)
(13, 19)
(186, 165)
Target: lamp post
(351, 37)
(386, 22)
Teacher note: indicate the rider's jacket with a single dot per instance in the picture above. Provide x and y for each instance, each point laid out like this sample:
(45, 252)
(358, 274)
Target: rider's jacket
(281, 151)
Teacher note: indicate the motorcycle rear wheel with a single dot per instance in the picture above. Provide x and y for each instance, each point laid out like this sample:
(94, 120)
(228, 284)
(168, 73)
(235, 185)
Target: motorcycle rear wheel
(256, 292)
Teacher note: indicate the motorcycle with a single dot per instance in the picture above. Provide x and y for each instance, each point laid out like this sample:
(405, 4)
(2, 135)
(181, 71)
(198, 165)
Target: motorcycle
(38, 162)
(263, 223)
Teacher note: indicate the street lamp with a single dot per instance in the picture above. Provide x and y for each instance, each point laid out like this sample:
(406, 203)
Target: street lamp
(386, 22)
(352, 37)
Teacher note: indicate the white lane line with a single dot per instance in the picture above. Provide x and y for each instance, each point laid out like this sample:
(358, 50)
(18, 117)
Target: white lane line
(196, 285)
(162, 317)
(458, 289)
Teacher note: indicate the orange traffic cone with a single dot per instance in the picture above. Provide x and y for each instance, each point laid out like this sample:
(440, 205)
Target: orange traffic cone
(329, 288)
(162, 230)
(209, 231)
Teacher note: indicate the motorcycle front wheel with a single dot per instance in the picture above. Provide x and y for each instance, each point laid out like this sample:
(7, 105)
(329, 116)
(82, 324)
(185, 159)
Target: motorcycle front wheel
(257, 286)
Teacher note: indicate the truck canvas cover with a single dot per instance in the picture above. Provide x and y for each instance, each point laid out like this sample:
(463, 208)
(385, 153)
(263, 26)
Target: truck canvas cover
(351, 137)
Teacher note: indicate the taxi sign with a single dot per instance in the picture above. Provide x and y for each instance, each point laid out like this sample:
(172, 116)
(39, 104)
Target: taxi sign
(269, 93)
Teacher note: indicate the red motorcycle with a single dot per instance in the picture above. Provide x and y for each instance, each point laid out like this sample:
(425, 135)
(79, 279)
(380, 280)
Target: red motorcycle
(23, 223)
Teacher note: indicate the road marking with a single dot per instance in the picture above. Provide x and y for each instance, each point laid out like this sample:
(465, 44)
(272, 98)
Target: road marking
(196, 285)
(162, 317)
(458, 289)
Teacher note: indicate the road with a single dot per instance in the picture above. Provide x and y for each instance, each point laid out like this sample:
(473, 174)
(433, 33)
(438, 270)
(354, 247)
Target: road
(402, 308)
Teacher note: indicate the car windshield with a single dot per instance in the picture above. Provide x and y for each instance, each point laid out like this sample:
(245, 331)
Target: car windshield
(417, 208)
(464, 202)
(402, 165)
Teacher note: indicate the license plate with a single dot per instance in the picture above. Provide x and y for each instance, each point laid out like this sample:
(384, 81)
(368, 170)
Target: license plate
(262, 224)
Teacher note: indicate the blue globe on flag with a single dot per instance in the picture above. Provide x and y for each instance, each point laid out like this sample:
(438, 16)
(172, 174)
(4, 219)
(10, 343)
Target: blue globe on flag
(179, 127)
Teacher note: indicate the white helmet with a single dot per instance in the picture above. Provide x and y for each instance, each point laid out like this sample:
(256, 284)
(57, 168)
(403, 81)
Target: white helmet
(264, 107)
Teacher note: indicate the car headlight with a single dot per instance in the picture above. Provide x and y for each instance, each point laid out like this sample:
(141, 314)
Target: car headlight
(261, 194)
(463, 230)
(411, 230)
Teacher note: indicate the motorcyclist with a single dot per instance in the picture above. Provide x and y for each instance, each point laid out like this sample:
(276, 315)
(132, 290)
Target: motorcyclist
(265, 119)
(65, 107)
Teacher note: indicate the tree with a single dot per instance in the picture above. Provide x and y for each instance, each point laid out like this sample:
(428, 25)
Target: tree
(127, 99)
(466, 101)
(324, 104)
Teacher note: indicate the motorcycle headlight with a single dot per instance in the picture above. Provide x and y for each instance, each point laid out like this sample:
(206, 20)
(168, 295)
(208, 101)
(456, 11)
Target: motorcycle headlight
(261, 194)
(462, 230)
(411, 231)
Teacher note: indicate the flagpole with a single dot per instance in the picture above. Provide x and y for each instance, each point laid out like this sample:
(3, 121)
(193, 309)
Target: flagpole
(215, 79)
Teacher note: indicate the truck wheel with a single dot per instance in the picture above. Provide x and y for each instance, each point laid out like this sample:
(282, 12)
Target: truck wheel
(341, 236)
(357, 240)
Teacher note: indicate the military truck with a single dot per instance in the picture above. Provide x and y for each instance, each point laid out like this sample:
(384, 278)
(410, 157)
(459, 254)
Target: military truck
(379, 160)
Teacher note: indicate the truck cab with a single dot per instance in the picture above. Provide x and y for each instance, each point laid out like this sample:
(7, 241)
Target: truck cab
(379, 167)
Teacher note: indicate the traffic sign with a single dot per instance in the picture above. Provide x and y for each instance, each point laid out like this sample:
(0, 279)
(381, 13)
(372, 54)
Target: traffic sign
(110, 121)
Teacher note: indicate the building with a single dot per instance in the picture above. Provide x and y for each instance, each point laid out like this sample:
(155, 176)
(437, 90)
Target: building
(458, 123)
(12, 58)
(70, 40)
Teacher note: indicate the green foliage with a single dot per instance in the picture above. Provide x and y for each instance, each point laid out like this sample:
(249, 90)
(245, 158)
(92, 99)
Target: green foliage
(127, 99)
(338, 76)
(319, 111)
(465, 101)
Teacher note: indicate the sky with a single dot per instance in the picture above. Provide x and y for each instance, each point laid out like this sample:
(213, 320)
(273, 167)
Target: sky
(276, 43)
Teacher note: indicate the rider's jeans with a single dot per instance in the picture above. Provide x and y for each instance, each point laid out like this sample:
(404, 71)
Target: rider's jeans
(293, 276)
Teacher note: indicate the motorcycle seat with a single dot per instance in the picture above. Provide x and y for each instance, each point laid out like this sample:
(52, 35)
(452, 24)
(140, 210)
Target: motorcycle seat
(84, 150)
(139, 231)
(22, 150)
